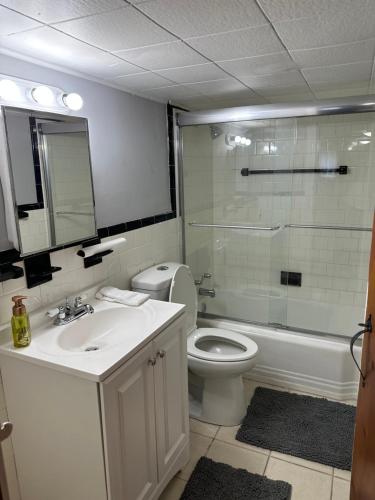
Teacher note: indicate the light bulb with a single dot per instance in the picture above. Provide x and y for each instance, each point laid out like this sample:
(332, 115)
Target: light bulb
(247, 142)
(73, 101)
(367, 133)
(364, 142)
(237, 139)
(9, 90)
(243, 140)
(43, 95)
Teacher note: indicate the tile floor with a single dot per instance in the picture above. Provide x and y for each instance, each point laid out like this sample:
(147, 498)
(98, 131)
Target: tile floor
(309, 480)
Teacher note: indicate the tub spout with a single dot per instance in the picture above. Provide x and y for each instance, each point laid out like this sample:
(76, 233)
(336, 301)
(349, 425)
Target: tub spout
(208, 292)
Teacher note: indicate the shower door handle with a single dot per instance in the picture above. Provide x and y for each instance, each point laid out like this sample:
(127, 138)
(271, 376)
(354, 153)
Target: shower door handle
(367, 328)
(5, 430)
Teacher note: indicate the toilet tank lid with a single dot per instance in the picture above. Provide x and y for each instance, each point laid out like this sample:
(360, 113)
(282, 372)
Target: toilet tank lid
(156, 277)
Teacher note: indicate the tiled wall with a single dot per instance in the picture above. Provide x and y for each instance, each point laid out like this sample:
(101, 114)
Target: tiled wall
(144, 247)
(334, 264)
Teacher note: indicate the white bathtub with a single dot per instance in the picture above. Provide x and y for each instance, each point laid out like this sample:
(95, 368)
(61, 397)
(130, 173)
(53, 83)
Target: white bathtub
(310, 363)
(265, 305)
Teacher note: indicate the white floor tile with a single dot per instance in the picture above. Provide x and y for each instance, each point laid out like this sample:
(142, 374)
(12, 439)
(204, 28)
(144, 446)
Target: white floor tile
(307, 484)
(203, 428)
(342, 474)
(228, 435)
(174, 489)
(238, 457)
(302, 462)
(198, 448)
(340, 489)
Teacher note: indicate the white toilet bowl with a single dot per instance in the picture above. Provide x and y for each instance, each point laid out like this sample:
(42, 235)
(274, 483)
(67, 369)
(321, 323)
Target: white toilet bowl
(220, 358)
(217, 358)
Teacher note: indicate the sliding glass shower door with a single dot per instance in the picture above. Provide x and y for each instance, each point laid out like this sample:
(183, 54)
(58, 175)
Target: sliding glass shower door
(277, 212)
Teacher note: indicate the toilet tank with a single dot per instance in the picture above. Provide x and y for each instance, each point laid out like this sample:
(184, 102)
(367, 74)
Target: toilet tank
(155, 280)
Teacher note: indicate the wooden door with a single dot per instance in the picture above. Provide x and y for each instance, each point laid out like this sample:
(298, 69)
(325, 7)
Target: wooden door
(171, 394)
(128, 409)
(363, 470)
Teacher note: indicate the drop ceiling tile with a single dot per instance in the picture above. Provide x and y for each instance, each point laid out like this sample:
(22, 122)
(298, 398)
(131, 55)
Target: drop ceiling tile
(195, 103)
(107, 66)
(335, 54)
(286, 82)
(54, 47)
(261, 65)
(312, 32)
(12, 22)
(116, 30)
(290, 92)
(237, 44)
(193, 74)
(187, 18)
(284, 10)
(326, 91)
(291, 97)
(142, 81)
(172, 92)
(227, 87)
(339, 74)
(162, 56)
(53, 11)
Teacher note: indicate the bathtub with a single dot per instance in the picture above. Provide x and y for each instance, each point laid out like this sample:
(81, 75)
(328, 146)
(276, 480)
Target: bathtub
(315, 364)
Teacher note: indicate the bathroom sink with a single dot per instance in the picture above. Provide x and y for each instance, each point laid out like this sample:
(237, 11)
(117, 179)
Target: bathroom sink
(102, 329)
(107, 327)
(95, 344)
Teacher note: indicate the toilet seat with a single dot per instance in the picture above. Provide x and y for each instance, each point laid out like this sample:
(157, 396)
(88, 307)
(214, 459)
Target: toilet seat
(237, 347)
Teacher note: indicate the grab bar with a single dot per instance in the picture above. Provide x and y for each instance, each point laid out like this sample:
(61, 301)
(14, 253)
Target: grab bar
(61, 212)
(229, 226)
(336, 228)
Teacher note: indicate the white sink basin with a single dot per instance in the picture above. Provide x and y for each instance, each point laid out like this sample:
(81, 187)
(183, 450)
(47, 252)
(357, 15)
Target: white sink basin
(102, 329)
(95, 344)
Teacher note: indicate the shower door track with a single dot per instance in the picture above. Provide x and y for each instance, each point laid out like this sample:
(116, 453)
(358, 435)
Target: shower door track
(276, 326)
(275, 228)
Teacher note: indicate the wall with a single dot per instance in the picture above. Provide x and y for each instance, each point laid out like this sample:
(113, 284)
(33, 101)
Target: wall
(334, 264)
(128, 140)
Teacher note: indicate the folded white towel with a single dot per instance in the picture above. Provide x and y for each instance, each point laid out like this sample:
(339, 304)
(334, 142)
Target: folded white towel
(125, 297)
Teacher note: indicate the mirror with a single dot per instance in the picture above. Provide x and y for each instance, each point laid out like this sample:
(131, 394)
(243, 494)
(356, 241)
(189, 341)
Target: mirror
(49, 160)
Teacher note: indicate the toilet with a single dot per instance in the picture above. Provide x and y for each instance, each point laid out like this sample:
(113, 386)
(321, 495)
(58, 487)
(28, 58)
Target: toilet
(217, 358)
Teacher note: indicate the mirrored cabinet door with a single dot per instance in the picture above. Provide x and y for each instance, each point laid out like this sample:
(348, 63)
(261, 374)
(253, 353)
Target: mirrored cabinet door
(49, 160)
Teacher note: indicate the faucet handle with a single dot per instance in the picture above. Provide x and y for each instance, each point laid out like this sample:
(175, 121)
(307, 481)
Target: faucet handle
(61, 314)
(77, 301)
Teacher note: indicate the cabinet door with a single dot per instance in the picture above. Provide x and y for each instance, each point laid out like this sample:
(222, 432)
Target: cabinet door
(171, 396)
(128, 409)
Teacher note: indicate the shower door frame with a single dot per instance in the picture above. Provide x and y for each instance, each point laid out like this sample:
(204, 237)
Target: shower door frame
(322, 107)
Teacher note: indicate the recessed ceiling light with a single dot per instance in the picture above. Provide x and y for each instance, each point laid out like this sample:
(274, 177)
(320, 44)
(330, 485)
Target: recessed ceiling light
(43, 95)
(9, 90)
(73, 101)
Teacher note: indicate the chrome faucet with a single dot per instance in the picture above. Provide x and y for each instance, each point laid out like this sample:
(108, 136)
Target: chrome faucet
(68, 313)
(202, 278)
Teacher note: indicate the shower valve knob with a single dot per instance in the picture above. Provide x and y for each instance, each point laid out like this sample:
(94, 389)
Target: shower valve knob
(151, 362)
(161, 354)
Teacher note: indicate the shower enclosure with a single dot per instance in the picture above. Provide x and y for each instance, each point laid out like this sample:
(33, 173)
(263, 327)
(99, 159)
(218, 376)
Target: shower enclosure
(277, 205)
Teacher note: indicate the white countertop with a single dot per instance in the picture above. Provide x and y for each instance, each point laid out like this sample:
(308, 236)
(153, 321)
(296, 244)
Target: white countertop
(45, 348)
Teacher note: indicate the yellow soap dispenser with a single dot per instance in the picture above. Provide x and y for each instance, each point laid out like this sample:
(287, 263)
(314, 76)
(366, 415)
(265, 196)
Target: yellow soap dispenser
(20, 323)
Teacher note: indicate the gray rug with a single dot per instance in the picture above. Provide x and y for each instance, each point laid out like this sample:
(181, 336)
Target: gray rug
(216, 481)
(307, 427)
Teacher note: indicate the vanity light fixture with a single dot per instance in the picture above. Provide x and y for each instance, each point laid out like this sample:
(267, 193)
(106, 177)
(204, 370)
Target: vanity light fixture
(72, 101)
(237, 140)
(9, 90)
(43, 95)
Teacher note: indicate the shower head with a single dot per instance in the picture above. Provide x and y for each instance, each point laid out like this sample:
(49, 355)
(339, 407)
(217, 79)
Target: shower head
(215, 131)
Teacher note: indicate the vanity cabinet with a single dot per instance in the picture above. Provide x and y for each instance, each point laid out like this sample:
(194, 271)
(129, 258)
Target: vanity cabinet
(122, 438)
(145, 416)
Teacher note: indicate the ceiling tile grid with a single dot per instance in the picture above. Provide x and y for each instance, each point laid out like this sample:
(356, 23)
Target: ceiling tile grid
(203, 51)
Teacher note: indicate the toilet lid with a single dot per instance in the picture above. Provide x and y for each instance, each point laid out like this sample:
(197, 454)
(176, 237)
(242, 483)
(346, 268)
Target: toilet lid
(216, 344)
(183, 291)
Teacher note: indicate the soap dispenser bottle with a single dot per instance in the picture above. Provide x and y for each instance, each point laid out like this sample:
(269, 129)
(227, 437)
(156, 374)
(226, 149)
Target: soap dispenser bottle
(20, 323)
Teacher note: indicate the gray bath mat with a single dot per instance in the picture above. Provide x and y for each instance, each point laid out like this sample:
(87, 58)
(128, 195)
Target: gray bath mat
(216, 481)
(311, 428)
